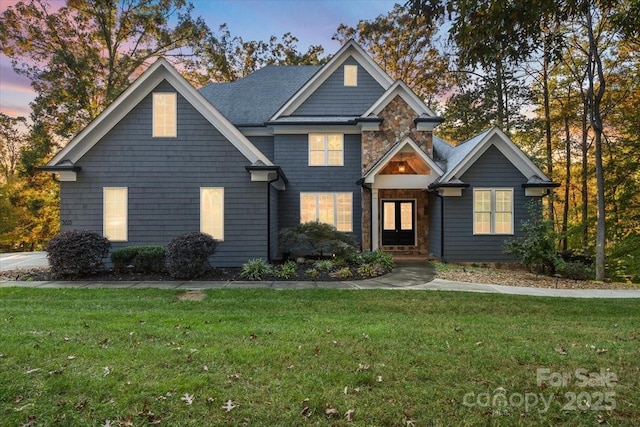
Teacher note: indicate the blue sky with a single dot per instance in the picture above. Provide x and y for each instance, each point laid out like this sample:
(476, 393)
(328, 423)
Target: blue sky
(313, 22)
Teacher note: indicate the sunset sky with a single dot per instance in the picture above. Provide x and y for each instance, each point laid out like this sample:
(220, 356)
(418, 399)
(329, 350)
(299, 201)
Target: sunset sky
(311, 21)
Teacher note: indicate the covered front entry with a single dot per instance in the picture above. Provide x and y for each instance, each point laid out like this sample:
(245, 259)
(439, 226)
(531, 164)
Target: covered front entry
(398, 222)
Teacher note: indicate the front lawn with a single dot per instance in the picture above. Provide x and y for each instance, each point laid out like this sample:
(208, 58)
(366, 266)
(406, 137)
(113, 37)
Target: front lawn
(315, 357)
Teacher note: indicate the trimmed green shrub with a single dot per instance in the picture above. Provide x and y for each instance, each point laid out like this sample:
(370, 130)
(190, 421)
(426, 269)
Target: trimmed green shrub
(312, 273)
(288, 270)
(368, 271)
(384, 260)
(188, 255)
(323, 265)
(576, 270)
(143, 259)
(77, 253)
(343, 273)
(256, 269)
(317, 239)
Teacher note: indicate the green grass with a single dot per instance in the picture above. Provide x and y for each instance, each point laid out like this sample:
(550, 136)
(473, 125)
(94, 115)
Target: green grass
(130, 357)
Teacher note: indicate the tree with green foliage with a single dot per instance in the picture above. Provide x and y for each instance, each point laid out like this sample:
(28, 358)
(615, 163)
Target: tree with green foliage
(11, 142)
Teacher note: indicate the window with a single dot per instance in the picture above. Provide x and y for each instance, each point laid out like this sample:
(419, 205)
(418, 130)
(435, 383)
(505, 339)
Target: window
(330, 208)
(114, 215)
(326, 149)
(164, 115)
(212, 212)
(351, 75)
(493, 211)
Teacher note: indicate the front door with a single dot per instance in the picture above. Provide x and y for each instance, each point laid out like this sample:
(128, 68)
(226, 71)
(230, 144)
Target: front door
(398, 224)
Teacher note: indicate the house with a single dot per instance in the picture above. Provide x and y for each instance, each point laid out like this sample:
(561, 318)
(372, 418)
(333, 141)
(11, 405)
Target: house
(341, 143)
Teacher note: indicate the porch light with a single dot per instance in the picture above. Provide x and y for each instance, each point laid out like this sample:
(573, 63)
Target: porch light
(402, 167)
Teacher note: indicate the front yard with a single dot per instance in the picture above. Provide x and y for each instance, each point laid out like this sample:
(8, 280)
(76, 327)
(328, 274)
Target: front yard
(317, 357)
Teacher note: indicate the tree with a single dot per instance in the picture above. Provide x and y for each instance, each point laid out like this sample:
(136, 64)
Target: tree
(11, 142)
(226, 58)
(83, 55)
(405, 47)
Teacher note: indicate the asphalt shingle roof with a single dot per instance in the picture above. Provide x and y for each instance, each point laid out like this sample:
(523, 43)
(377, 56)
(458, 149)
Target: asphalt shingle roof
(254, 99)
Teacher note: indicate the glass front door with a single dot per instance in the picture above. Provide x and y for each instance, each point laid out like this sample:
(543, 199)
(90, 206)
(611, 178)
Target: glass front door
(398, 222)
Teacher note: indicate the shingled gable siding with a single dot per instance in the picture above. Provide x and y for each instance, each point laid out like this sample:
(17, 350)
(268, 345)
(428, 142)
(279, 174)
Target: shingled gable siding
(164, 176)
(332, 98)
(291, 152)
(491, 170)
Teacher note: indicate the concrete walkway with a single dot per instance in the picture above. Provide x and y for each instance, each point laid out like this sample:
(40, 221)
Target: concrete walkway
(407, 276)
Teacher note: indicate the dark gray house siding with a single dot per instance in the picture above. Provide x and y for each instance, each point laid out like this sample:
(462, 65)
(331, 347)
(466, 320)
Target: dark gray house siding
(264, 144)
(332, 98)
(274, 226)
(163, 177)
(435, 217)
(491, 170)
(291, 153)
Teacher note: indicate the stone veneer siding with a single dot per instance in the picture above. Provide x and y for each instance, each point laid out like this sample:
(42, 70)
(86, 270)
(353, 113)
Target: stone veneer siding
(397, 124)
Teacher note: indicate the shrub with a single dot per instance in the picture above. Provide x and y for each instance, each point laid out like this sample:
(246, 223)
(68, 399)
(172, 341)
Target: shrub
(188, 255)
(256, 269)
(312, 273)
(77, 253)
(318, 239)
(576, 270)
(536, 250)
(384, 260)
(288, 270)
(323, 265)
(368, 271)
(143, 259)
(343, 273)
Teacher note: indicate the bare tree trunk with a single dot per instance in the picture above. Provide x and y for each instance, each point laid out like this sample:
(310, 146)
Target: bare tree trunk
(547, 121)
(567, 183)
(500, 95)
(584, 190)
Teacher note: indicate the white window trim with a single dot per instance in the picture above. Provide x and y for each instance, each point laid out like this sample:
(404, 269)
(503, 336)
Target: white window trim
(105, 232)
(326, 149)
(350, 80)
(202, 190)
(335, 207)
(492, 212)
(174, 101)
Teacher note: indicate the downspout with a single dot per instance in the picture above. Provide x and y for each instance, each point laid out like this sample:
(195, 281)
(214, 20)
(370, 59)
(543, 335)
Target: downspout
(269, 214)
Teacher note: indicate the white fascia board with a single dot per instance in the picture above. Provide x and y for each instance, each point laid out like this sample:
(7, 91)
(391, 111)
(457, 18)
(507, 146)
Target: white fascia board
(370, 177)
(450, 191)
(418, 182)
(305, 129)
(503, 143)
(134, 94)
(66, 176)
(399, 88)
(351, 48)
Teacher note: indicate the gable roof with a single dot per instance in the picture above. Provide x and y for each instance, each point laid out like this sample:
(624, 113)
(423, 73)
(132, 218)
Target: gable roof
(253, 99)
(133, 95)
(382, 161)
(351, 48)
(399, 88)
(461, 157)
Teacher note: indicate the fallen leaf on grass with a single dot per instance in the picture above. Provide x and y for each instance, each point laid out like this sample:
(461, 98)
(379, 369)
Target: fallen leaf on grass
(229, 406)
(601, 350)
(31, 371)
(379, 378)
(479, 343)
(105, 371)
(72, 357)
(306, 412)
(349, 415)
(187, 398)
(362, 367)
(561, 350)
(331, 412)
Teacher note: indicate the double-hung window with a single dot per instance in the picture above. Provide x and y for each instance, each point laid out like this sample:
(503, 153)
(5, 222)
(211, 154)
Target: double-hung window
(493, 211)
(326, 149)
(212, 212)
(114, 214)
(330, 208)
(164, 115)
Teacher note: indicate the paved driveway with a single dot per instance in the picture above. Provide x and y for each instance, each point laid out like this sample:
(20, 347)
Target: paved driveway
(17, 260)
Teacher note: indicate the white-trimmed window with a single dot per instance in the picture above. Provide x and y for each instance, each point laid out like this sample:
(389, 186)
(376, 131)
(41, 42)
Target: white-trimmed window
(165, 114)
(326, 149)
(351, 75)
(114, 213)
(330, 208)
(212, 212)
(493, 211)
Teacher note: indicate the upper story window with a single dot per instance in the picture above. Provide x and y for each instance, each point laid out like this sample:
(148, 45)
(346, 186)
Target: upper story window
(351, 75)
(326, 149)
(493, 211)
(164, 115)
